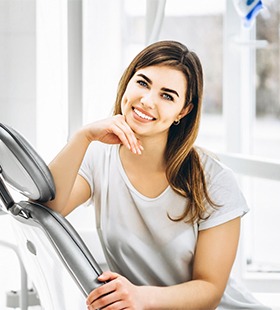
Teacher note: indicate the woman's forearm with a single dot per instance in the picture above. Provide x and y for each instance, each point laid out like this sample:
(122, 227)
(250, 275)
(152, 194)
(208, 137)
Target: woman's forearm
(195, 295)
(191, 295)
(65, 167)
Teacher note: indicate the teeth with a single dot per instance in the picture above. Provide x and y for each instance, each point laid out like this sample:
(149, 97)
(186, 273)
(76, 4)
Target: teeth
(142, 115)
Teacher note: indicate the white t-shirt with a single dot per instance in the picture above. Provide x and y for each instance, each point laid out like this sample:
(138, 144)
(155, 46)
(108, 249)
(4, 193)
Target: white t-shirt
(139, 240)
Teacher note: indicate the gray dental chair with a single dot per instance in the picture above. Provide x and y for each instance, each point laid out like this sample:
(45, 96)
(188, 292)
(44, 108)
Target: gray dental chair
(56, 259)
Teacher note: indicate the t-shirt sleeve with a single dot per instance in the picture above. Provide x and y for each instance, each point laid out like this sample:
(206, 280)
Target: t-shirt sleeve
(225, 192)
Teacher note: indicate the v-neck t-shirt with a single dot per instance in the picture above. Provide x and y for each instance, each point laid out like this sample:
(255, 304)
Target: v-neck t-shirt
(139, 239)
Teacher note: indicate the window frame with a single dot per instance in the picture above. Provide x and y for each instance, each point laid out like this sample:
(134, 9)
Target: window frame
(239, 102)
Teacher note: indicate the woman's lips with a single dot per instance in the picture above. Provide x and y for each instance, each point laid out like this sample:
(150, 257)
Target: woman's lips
(143, 115)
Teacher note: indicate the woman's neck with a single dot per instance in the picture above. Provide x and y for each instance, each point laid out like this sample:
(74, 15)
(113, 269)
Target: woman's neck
(152, 156)
(146, 172)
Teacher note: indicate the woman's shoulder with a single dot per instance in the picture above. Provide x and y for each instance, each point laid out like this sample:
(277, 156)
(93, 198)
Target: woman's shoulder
(97, 145)
(97, 153)
(224, 190)
(211, 163)
(99, 149)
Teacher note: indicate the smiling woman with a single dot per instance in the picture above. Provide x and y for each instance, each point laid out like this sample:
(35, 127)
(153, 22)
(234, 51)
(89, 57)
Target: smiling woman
(147, 98)
(169, 218)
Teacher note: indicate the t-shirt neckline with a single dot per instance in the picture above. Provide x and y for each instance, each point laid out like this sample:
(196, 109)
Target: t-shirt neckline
(130, 185)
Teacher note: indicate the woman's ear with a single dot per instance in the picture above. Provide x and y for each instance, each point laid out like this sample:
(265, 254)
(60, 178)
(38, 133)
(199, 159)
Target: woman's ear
(185, 111)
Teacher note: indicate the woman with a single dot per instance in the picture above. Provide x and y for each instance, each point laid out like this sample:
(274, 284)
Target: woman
(168, 214)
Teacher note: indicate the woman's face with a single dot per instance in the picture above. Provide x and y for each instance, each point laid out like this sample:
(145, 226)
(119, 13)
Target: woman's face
(154, 99)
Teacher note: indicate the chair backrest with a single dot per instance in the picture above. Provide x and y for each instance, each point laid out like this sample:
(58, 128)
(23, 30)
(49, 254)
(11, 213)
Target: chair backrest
(56, 259)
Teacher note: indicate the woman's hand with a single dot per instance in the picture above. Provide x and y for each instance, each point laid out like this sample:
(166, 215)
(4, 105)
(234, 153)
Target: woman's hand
(118, 293)
(114, 130)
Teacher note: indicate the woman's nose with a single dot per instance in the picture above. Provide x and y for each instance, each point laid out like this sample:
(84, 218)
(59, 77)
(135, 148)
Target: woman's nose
(148, 100)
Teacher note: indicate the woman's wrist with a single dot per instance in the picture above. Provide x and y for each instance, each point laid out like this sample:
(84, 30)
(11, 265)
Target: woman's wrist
(83, 135)
(149, 296)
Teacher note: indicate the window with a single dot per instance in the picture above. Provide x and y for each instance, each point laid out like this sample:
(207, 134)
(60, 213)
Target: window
(266, 134)
(265, 139)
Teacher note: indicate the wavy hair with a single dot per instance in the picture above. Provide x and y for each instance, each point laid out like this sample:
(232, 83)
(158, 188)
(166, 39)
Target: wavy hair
(184, 170)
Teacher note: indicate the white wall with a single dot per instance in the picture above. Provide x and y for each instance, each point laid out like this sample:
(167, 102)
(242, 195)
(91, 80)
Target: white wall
(17, 65)
(102, 55)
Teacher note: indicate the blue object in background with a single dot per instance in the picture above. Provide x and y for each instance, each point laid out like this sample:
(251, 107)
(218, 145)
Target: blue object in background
(248, 10)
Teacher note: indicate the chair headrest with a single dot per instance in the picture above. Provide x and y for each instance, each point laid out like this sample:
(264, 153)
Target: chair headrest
(22, 168)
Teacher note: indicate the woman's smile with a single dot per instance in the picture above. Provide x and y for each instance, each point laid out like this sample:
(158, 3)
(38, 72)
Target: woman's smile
(142, 115)
(154, 96)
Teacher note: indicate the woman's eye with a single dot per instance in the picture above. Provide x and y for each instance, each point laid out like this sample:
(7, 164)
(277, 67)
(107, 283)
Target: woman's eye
(167, 96)
(142, 83)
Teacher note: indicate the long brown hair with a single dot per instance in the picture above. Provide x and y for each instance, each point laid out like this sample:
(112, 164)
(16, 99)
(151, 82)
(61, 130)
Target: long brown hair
(183, 167)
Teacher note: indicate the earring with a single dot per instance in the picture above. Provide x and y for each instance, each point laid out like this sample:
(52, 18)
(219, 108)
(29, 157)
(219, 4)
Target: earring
(176, 123)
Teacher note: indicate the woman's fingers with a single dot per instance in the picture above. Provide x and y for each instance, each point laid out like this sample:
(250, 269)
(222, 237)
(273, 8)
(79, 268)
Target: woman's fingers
(107, 276)
(117, 293)
(127, 136)
(102, 290)
(116, 130)
(114, 294)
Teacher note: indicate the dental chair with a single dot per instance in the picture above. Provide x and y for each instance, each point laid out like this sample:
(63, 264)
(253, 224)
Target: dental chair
(56, 259)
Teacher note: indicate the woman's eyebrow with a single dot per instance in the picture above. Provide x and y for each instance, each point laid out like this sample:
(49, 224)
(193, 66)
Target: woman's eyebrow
(145, 78)
(170, 91)
(164, 88)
